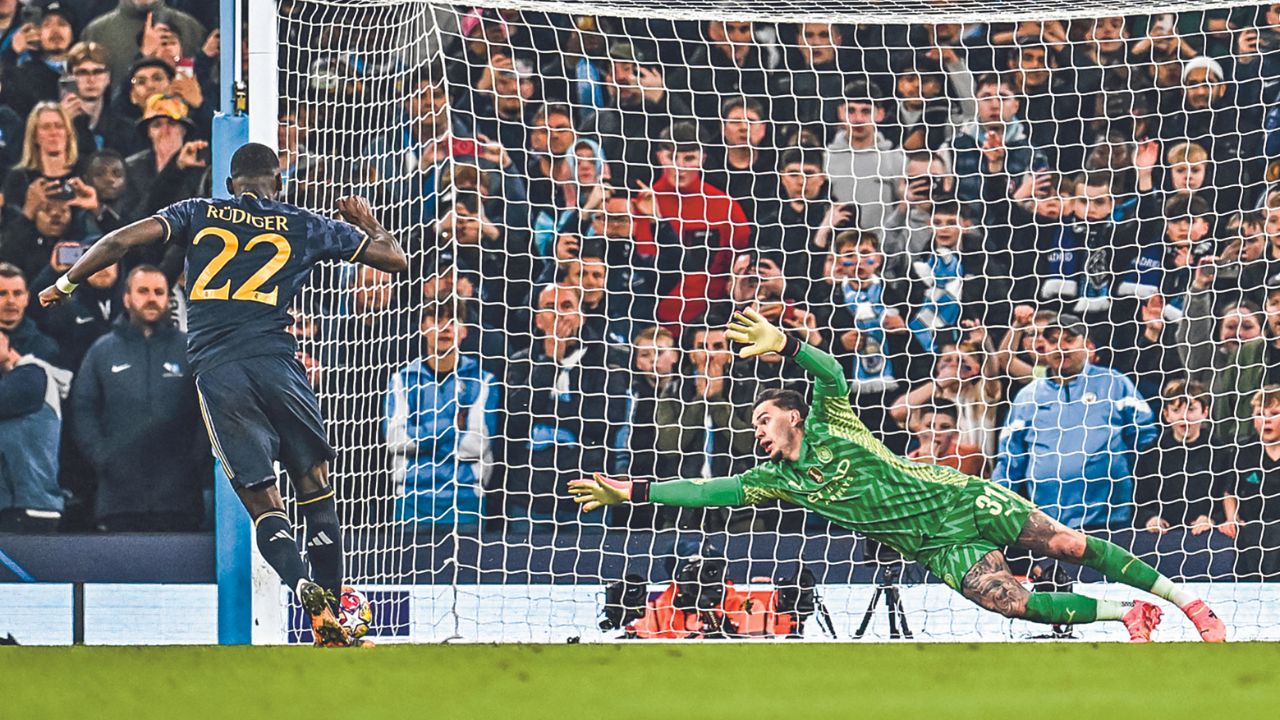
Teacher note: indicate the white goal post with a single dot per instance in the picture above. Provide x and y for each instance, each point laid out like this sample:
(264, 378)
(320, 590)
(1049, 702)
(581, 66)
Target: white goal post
(586, 191)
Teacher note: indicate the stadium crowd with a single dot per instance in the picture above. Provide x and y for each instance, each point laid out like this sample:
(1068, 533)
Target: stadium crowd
(1047, 253)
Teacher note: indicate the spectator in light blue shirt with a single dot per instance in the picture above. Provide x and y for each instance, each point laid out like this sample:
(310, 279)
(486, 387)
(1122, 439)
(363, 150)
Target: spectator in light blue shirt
(1071, 438)
(440, 414)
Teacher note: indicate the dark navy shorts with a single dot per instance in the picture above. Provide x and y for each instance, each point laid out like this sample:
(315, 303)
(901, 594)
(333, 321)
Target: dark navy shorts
(259, 410)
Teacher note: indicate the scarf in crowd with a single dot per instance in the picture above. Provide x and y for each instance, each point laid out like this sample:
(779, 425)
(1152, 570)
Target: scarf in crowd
(938, 319)
(1077, 269)
(866, 304)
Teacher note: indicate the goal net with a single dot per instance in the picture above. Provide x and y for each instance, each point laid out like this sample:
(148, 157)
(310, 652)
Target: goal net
(1042, 239)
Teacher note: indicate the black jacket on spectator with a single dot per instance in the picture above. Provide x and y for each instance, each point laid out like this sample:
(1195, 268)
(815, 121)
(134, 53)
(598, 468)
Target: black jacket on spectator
(33, 81)
(1150, 364)
(1234, 146)
(1175, 480)
(112, 215)
(510, 132)
(627, 136)
(811, 95)
(591, 407)
(27, 339)
(77, 323)
(1052, 113)
(1255, 481)
(22, 245)
(790, 229)
(714, 75)
(654, 411)
(561, 421)
(160, 189)
(136, 419)
(113, 130)
(12, 129)
(753, 188)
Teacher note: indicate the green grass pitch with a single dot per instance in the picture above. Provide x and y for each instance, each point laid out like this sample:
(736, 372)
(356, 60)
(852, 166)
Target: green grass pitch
(616, 682)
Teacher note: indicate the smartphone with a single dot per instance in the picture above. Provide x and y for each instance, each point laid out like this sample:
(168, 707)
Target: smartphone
(67, 85)
(69, 254)
(852, 220)
(1163, 22)
(204, 155)
(1268, 39)
(61, 191)
(186, 67)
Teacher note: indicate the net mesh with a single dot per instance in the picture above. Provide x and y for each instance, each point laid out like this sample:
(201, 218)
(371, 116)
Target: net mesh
(920, 188)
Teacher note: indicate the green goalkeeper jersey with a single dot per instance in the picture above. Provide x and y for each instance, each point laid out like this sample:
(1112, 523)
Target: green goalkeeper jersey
(844, 474)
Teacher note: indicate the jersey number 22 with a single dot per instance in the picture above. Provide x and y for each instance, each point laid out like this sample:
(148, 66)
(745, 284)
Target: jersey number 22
(200, 290)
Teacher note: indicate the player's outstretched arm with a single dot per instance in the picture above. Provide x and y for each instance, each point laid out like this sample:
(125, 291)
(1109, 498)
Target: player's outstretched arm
(600, 490)
(383, 252)
(103, 254)
(759, 337)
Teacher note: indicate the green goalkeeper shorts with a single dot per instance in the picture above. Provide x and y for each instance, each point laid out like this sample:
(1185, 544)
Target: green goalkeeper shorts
(985, 517)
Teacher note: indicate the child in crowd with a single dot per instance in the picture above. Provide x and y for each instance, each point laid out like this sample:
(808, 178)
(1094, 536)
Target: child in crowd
(938, 442)
(1250, 490)
(1174, 478)
(940, 281)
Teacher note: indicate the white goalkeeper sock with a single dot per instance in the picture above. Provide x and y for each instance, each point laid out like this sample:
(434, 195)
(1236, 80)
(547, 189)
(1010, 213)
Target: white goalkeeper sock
(1176, 594)
(1112, 609)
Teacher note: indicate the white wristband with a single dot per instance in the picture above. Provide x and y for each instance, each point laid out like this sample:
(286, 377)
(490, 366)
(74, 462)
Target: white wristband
(65, 286)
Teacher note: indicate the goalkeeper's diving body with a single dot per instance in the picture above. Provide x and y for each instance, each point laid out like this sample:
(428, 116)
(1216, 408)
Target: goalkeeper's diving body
(955, 525)
(246, 258)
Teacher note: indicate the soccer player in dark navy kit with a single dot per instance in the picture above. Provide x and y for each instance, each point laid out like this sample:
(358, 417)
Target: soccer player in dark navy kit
(246, 258)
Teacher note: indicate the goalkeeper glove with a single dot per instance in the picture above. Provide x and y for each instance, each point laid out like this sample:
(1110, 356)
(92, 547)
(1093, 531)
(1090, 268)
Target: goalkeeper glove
(600, 490)
(750, 328)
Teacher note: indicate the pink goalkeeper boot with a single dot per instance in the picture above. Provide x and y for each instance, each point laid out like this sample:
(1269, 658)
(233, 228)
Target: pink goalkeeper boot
(1211, 628)
(1141, 621)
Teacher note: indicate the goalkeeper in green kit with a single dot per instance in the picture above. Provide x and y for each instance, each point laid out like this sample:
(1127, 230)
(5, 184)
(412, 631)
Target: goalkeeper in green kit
(955, 525)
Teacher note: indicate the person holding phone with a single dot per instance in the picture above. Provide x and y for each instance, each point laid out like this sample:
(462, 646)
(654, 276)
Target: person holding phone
(908, 227)
(85, 87)
(160, 40)
(50, 156)
(121, 30)
(39, 69)
(636, 111)
(28, 239)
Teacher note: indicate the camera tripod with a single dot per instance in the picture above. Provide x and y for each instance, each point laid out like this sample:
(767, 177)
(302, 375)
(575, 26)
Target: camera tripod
(887, 588)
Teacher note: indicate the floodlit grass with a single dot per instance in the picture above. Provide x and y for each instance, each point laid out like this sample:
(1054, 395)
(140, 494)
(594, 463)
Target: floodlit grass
(613, 682)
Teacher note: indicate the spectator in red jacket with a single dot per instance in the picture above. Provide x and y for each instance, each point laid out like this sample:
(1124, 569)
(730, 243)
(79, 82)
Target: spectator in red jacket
(708, 224)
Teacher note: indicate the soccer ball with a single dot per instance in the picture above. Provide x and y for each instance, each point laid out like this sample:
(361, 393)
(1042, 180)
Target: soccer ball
(354, 612)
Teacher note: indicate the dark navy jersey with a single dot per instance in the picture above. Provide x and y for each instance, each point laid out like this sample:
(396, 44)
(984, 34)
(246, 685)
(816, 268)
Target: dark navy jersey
(246, 258)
